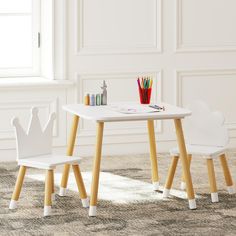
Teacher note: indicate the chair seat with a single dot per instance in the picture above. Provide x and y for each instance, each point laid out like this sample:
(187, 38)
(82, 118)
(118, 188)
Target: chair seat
(48, 161)
(207, 151)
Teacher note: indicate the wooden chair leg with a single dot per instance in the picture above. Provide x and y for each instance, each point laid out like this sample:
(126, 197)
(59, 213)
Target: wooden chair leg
(48, 193)
(183, 184)
(96, 170)
(170, 177)
(228, 178)
(53, 187)
(185, 165)
(153, 154)
(70, 150)
(81, 187)
(18, 187)
(212, 180)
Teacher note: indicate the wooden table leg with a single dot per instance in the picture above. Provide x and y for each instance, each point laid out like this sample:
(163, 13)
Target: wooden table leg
(70, 150)
(18, 187)
(96, 170)
(153, 154)
(185, 165)
(182, 184)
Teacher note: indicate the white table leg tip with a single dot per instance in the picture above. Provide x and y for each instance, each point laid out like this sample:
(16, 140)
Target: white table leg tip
(13, 204)
(92, 211)
(231, 189)
(85, 202)
(53, 196)
(47, 210)
(192, 204)
(166, 193)
(182, 185)
(214, 197)
(62, 192)
(155, 186)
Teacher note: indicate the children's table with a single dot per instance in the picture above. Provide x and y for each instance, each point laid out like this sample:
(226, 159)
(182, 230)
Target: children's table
(103, 114)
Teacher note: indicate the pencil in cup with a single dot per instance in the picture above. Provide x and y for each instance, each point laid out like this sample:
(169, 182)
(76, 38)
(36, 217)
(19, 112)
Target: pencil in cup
(145, 89)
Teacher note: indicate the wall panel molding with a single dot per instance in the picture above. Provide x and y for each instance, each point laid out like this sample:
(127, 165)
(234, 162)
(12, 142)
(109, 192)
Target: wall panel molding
(26, 105)
(82, 49)
(181, 46)
(135, 128)
(187, 74)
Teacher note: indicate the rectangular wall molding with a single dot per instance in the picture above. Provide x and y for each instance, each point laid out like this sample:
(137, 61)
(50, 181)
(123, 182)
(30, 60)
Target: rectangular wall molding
(124, 42)
(211, 90)
(199, 41)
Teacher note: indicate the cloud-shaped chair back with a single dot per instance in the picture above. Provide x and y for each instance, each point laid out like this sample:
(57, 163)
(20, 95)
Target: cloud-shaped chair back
(205, 127)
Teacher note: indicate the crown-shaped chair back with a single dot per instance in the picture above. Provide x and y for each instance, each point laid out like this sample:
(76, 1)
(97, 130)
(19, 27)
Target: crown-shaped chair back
(35, 141)
(205, 127)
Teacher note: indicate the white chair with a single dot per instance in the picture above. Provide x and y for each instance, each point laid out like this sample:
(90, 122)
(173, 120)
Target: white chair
(34, 149)
(206, 137)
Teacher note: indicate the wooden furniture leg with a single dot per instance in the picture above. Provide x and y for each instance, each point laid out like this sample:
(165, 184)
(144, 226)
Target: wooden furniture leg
(183, 184)
(80, 185)
(48, 193)
(170, 177)
(96, 170)
(228, 178)
(212, 180)
(70, 150)
(18, 187)
(53, 188)
(185, 165)
(153, 154)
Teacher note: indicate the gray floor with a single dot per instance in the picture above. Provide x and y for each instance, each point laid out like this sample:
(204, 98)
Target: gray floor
(145, 218)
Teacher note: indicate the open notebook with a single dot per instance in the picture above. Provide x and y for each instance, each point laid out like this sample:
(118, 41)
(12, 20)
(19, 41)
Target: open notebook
(132, 109)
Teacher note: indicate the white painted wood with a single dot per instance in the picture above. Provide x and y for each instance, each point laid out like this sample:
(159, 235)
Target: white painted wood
(206, 151)
(205, 132)
(48, 161)
(34, 147)
(204, 127)
(107, 114)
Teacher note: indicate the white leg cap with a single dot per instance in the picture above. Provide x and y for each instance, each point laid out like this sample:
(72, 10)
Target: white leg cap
(85, 202)
(166, 193)
(13, 204)
(192, 204)
(182, 185)
(92, 211)
(47, 210)
(53, 196)
(214, 197)
(231, 189)
(62, 192)
(155, 186)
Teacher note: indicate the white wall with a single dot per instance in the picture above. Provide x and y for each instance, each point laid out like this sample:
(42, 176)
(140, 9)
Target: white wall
(188, 46)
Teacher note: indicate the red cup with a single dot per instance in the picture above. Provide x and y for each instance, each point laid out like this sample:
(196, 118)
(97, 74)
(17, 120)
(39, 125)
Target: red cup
(145, 95)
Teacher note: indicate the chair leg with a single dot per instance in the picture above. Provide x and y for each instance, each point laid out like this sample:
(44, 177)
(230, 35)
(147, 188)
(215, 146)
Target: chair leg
(81, 187)
(48, 193)
(53, 188)
(170, 177)
(18, 186)
(212, 180)
(228, 178)
(183, 184)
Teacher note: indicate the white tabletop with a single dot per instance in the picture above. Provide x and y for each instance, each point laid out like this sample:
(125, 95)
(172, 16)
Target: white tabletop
(111, 112)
